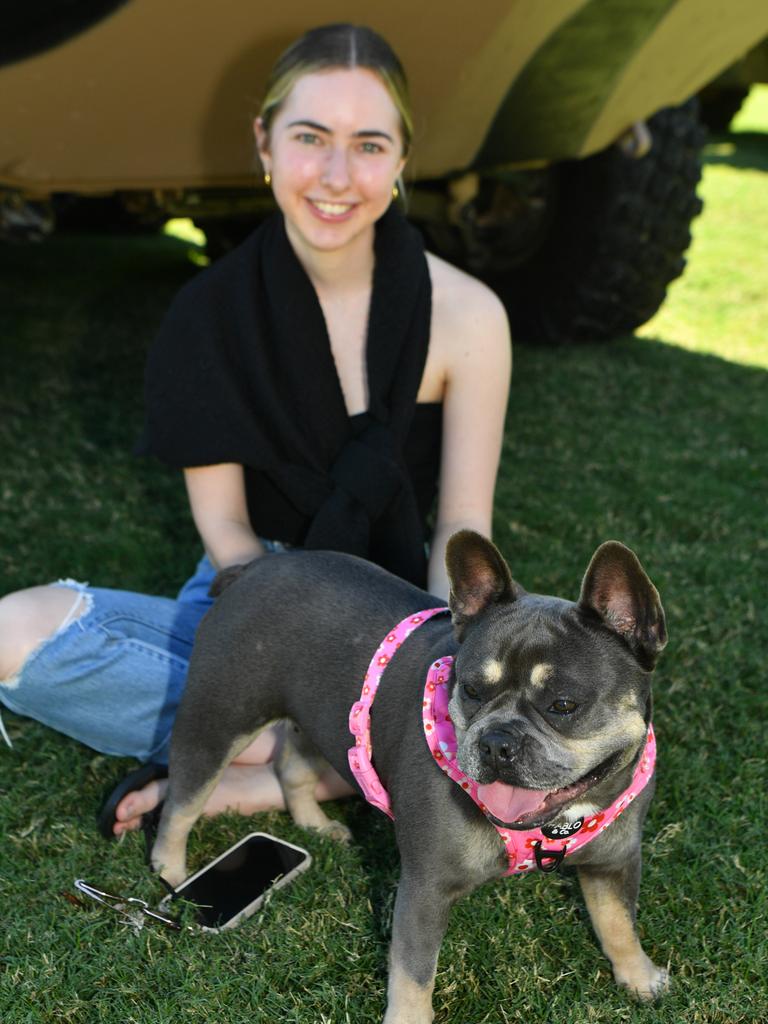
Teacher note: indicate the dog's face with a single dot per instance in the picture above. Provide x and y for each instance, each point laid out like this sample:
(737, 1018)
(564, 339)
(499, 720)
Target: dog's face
(550, 697)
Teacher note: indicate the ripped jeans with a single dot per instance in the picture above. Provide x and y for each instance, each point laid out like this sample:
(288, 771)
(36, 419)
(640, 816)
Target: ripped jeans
(113, 677)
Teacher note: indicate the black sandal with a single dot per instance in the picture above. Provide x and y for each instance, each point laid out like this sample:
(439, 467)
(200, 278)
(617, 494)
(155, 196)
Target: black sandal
(134, 780)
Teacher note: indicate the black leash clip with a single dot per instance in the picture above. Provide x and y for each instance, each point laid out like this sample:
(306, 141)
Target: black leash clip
(547, 860)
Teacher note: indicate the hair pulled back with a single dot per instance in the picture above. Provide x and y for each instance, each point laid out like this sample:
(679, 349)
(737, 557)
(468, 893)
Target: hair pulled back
(341, 45)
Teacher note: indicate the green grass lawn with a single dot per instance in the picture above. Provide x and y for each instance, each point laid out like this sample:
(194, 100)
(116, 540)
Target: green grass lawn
(657, 440)
(720, 306)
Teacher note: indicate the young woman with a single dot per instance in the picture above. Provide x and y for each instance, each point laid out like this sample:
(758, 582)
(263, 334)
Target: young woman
(320, 386)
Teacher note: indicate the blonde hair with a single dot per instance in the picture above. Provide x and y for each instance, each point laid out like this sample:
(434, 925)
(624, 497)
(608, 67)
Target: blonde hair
(339, 46)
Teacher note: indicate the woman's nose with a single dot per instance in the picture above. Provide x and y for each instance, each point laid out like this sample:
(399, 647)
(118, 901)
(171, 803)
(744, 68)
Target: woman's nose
(336, 171)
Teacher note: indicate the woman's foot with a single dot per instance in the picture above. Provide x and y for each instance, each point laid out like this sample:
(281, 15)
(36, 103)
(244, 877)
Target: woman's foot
(248, 785)
(233, 789)
(243, 788)
(135, 780)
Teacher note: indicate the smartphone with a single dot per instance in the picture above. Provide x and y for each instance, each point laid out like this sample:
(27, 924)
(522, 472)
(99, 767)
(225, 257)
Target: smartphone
(233, 886)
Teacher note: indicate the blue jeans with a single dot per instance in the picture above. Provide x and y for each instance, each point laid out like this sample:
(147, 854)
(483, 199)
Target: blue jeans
(113, 677)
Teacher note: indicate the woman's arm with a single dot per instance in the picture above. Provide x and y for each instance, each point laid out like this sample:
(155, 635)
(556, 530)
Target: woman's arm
(474, 336)
(217, 499)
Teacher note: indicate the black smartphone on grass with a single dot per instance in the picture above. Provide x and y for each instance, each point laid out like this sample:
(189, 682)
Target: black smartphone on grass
(234, 885)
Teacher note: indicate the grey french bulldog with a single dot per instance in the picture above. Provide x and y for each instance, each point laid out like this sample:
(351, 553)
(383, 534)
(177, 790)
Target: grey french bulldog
(548, 698)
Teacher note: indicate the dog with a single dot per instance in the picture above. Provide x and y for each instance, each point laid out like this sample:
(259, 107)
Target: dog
(549, 700)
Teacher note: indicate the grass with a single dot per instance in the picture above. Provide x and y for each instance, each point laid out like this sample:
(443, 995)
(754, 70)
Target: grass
(658, 440)
(720, 305)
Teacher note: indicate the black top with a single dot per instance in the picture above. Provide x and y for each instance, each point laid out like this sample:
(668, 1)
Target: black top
(273, 516)
(242, 371)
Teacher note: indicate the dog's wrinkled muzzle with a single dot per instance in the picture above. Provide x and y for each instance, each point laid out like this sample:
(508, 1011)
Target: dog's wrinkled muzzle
(499, 748)
(504, 751)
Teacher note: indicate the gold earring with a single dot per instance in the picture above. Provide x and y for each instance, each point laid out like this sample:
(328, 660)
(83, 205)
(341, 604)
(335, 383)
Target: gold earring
(267, 179)
(395, 191)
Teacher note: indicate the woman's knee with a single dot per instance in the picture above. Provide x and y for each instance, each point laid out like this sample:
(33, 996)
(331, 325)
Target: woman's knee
(29, 617)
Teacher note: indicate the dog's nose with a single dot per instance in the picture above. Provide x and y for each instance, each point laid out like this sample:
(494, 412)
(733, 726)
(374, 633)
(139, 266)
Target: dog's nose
(498, 748)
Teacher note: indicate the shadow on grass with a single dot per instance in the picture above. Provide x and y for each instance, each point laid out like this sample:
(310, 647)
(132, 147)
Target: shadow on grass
(639, 441)
(745, 150)
(77, 314)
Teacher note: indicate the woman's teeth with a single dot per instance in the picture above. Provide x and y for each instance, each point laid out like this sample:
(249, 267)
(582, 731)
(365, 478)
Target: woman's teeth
(333, 209)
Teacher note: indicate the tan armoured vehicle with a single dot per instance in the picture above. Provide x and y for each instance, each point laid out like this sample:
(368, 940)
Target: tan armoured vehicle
(721, 99)
(557, 147)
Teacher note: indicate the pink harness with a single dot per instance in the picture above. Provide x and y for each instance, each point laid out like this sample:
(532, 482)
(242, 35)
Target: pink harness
(525, 849)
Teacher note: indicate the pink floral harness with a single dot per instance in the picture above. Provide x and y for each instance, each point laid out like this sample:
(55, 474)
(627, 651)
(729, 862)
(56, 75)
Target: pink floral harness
(534, 848)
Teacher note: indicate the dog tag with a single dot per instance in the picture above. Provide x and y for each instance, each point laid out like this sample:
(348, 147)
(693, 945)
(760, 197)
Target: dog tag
(562, 831)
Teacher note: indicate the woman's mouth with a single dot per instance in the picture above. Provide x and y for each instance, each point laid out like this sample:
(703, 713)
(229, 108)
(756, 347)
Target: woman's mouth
(328, 211)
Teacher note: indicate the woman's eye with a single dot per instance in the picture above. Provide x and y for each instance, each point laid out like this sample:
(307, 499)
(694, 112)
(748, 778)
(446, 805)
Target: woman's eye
(309, 138)
(470, 692)
(562, 706)
(371, 147)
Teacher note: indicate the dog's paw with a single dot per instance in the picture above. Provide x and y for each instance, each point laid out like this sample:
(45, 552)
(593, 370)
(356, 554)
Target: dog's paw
(336, 831)
(172, 874)
(647, 981)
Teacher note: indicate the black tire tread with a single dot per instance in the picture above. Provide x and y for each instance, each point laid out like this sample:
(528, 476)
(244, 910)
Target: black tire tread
(619, 238)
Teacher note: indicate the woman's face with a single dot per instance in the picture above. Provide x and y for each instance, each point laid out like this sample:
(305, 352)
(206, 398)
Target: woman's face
(334, 151)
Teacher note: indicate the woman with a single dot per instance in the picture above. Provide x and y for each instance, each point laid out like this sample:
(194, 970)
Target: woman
(313, 385)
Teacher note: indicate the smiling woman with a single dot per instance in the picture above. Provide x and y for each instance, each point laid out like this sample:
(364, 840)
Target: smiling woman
(328, 384)
(333, 152)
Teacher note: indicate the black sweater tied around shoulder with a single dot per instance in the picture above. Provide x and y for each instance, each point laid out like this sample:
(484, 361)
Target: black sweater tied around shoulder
(242, 371)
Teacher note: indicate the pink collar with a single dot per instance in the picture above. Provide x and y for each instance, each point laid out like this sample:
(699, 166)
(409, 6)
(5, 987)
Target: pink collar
(525, 849)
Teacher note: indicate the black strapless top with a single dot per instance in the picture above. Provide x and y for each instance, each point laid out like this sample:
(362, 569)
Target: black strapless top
(274, 517)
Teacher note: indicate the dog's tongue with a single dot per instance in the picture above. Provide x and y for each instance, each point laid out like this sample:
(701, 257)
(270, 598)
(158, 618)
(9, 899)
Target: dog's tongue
(508, 803)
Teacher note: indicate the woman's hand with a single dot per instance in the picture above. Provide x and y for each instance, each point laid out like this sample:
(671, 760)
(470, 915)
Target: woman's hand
(217, 499)
(470, 332)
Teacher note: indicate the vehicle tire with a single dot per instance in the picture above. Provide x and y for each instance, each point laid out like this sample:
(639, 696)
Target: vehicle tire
(719, 106)
(617, 239)
(39, 25)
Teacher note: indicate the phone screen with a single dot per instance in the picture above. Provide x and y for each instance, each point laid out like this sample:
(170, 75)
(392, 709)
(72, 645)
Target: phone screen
(239, 877)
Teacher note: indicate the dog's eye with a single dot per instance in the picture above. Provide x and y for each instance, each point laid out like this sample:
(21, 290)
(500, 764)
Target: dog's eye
(562, 706)
(470, 692)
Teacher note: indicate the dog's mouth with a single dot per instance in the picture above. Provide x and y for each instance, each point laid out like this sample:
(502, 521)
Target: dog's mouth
(518, 808)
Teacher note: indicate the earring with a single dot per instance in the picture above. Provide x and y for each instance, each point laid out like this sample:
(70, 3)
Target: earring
(395, 191)
(267, 179)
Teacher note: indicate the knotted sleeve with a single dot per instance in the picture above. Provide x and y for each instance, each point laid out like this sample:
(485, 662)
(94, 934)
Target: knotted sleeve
(367, 477)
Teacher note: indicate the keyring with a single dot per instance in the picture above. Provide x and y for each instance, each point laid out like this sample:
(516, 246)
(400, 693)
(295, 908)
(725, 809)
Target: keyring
(134, 910)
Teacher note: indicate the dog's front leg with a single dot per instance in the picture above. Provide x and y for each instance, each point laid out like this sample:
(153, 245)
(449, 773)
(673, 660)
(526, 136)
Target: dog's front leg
(420, 919)
(611, 898)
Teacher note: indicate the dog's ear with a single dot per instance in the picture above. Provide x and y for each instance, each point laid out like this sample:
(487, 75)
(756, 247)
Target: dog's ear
(478, 575)
(616, 587)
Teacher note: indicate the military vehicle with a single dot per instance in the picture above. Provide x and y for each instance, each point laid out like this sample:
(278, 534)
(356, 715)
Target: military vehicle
(722, 98)
(557, 145)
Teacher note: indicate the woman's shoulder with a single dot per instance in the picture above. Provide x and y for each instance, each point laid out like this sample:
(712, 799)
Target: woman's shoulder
(463, 308)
